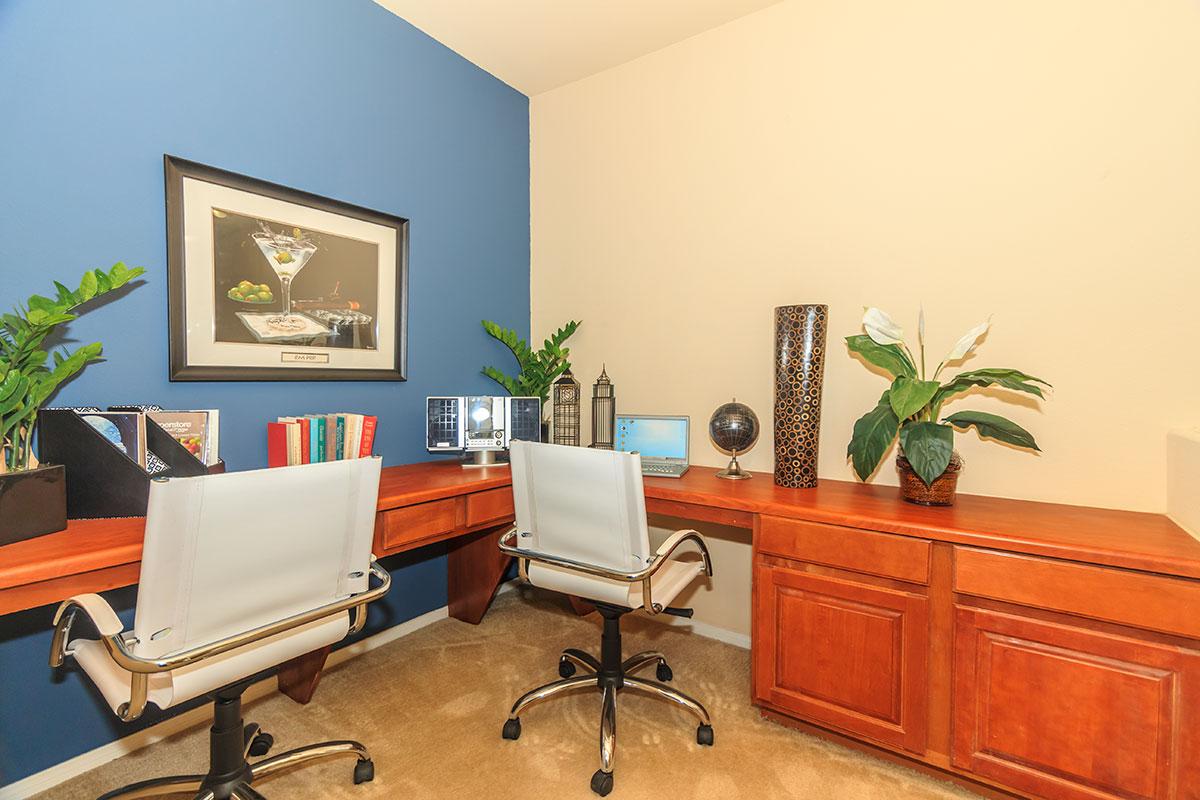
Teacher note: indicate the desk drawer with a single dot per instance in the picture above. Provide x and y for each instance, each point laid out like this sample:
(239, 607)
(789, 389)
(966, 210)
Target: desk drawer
(492, 505)
(883, 554)
(412, 525)
(1154, 602)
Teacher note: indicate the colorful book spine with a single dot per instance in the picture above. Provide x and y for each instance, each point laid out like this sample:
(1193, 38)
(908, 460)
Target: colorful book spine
(339, 447)
(367, 446)
(330, 437)
(295, 449)
(319, 450)
(277, 444)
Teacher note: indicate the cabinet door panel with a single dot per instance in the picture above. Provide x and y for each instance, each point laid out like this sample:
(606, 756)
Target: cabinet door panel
(1064, 712)
(843, 654)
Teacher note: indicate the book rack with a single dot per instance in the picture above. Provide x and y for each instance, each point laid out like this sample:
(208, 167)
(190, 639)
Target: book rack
(102, 481)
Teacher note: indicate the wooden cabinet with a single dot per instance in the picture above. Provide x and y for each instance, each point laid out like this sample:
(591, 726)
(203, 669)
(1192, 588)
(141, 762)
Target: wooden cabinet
(1046, 677)
(844, 654)
(1067, 712)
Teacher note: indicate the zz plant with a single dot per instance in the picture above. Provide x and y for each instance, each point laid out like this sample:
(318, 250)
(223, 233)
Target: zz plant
(30, 374)
(539, 368)
(912, 405)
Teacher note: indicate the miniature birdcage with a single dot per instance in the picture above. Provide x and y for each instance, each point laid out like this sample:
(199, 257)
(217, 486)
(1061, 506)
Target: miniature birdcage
(604, 412)
(566, 410)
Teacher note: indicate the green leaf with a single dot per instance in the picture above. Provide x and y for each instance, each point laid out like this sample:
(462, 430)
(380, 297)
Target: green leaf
(87, 287)
(909, 395)
(66, 297)
(42, 304)
(886, 356)
(12, 391)
(928, 446)
(1007, 378)
(103, 284)
(994, 427)
(499, 377)
(873, 435)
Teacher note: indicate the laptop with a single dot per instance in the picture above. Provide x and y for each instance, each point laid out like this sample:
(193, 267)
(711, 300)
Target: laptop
(661, 441)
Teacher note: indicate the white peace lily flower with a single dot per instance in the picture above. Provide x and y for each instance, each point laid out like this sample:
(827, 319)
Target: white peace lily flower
(968, 341)
(881, 328)
(921, 326)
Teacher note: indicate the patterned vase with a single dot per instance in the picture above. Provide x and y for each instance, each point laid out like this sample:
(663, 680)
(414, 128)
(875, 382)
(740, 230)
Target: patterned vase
(799, 372)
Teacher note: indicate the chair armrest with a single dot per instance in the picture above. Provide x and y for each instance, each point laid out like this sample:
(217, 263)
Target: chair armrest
(507, 546)
(95, 608)
(120, 653)
(140, 669)
(678, 538)
(663, 555)
(643, 576)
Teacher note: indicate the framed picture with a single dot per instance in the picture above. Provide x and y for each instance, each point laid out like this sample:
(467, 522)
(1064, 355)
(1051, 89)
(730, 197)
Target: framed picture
(271, 283)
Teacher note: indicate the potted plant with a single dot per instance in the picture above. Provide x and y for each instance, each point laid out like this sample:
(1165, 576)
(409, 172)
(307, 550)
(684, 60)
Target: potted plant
(33, 497)
(539, 368)
(912, 408)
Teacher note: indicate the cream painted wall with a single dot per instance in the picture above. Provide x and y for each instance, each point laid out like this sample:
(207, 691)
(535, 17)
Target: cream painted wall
(1036, 161)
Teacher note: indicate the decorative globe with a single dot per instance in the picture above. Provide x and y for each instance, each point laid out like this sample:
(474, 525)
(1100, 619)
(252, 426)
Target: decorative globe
(734, 427)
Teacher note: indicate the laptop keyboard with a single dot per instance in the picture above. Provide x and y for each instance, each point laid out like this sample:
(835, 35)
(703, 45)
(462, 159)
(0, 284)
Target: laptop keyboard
(664, 470)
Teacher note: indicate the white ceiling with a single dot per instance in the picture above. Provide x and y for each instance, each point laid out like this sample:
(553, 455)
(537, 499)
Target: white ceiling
(536, 45)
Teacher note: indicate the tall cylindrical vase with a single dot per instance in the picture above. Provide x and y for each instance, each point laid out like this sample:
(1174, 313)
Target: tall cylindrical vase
(799, 372)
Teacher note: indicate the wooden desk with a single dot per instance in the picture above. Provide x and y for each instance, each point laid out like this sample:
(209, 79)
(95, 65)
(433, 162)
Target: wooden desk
(93, 555)
(990, 641)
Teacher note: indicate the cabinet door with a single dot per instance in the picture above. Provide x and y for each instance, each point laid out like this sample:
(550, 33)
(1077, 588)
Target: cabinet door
(842, 654)
(1064, 712)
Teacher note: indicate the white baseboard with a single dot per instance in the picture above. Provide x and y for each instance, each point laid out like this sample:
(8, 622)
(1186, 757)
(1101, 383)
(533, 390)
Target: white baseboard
(59, 773)
(734, 638)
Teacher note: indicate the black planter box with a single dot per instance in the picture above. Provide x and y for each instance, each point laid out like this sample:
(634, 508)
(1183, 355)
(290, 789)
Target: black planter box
(32, 503)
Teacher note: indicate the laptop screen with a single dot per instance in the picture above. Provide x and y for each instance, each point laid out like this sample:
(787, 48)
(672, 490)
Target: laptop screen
(653, 436)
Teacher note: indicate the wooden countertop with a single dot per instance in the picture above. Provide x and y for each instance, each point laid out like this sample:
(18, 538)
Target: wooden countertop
(1148, 542)
(1129, 539)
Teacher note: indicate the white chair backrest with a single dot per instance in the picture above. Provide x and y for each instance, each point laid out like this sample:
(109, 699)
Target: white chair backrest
(224, 554)
(582, 504)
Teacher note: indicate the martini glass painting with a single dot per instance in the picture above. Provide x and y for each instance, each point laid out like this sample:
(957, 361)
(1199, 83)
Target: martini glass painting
(287, 255)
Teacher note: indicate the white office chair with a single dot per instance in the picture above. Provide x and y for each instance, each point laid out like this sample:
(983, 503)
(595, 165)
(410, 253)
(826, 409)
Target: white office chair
(240, 572)
(581, 529)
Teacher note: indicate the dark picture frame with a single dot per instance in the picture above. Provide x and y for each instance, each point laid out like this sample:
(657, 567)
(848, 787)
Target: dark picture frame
(322, 353)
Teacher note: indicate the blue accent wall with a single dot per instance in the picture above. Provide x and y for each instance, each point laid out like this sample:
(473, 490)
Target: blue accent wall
(341, 99)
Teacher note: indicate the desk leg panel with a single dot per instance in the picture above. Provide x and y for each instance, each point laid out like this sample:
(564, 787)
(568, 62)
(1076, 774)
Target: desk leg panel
(475, 567)
(299, 677)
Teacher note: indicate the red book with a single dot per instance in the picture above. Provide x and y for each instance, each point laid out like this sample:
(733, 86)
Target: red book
(277, 444)
(368, 436)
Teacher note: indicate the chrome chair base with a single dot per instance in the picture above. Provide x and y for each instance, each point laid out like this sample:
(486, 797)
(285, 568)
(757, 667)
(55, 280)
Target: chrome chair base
(609, 679)
(230, 773)
(301, 756)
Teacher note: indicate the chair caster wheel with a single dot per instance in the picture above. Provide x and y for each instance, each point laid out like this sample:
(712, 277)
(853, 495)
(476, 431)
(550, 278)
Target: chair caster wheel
(663, 672)
(704, 735)
(261, 744)
(565, 668)
(364, 772)
(512, 729)
(602, 782)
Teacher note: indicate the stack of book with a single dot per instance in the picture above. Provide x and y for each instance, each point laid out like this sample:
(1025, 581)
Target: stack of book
(313, 438)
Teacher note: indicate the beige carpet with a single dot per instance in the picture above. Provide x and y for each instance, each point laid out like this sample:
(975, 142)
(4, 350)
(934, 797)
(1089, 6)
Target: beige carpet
(430, 707)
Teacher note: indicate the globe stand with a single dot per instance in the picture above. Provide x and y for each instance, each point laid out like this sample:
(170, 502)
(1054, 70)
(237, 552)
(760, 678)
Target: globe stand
(734, 471)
